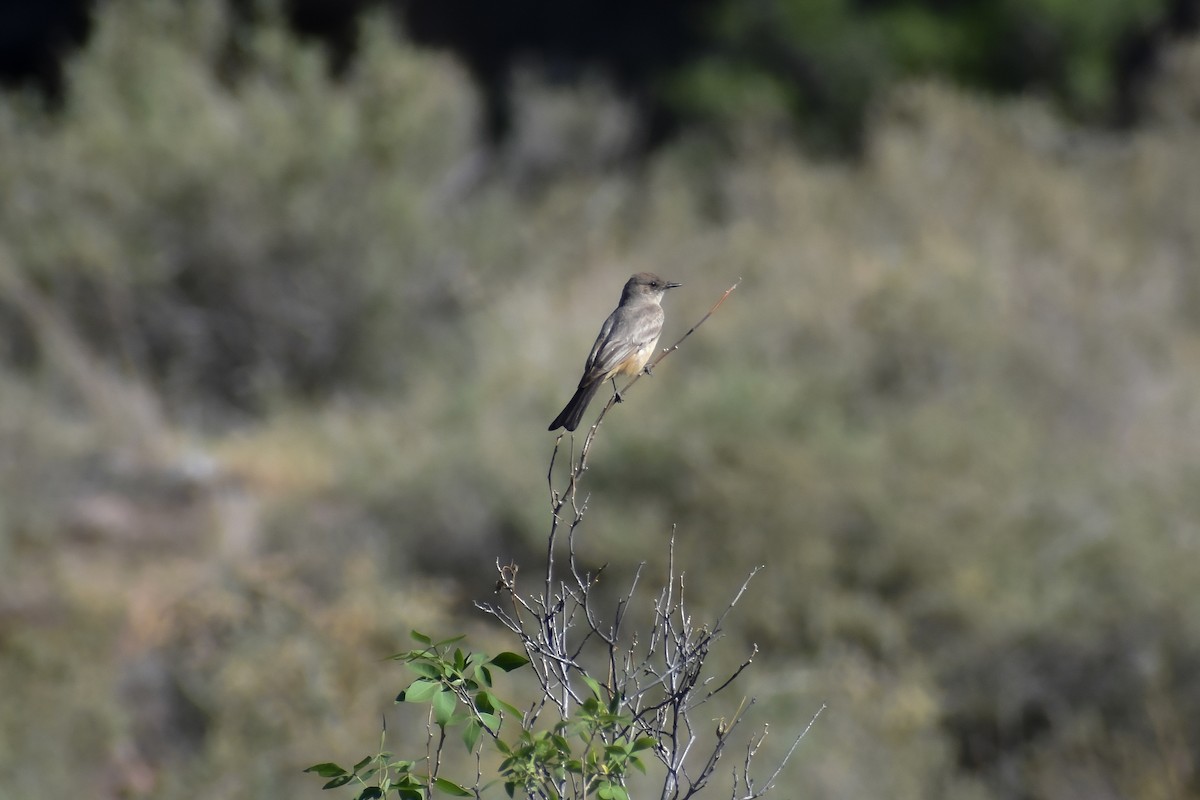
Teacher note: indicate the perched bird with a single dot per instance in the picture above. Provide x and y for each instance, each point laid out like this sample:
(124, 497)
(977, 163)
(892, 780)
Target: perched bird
(625, 343)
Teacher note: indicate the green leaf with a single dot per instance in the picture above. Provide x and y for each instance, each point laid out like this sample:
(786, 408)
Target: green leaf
(485, 675)
(643, 743)
(490, 720)
(419, 691)
(451, 788)
(341, 780)
(420, 637)
(362, 763)
(371, 793)
(611, 791)
(327, 770)
(443, 707)
(592, 684)
(471, 734)
(508, 707)
(428, 670)
(509, 661)
(451, 640)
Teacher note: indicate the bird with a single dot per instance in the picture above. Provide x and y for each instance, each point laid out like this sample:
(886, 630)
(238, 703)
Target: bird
(626, 340)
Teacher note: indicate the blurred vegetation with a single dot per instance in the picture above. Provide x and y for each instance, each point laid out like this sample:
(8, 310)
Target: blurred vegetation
(275, 388)
(825, 62)
(817, 67)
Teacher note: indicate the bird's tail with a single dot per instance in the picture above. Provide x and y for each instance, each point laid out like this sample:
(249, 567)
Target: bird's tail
(573, 412)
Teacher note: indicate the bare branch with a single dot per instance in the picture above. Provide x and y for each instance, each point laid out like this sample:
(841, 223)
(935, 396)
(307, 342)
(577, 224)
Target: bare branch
(591, 434)
(787, 756)
(654, 681)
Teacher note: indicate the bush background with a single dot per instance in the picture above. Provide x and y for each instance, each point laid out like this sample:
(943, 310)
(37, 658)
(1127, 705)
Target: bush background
(276, 367)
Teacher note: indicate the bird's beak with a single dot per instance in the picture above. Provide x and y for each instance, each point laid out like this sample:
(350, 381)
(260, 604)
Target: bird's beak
(671, 285)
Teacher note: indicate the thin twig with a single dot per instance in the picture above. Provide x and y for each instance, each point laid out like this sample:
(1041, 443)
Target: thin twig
(650, 366)
(771, 780)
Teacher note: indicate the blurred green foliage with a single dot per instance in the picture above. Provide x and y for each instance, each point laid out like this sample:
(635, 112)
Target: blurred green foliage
(827, 61)
(274, 390)
(166, 166)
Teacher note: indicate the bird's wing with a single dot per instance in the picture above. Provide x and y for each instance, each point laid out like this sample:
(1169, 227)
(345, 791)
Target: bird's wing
(598, 346)
(626, 331)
